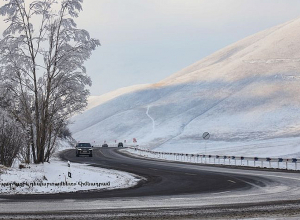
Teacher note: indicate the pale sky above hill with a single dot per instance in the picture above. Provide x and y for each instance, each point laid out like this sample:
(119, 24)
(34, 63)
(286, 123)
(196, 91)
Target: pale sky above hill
(144, 41)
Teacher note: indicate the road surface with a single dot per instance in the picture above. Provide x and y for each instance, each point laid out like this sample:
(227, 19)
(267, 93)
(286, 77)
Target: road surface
(168, 190)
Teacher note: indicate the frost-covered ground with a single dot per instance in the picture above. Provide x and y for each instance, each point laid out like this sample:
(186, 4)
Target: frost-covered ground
(53, 178)
(278, 147)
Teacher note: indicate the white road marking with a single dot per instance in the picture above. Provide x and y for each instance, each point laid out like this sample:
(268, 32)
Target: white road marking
(253, 173)
(231, 181)
(221, 192)
(152, 169)
(191, 174)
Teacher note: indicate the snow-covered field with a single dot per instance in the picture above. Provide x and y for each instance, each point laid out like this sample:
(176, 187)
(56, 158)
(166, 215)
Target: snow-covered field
(245, 95)
(277, 147)
(53, 178)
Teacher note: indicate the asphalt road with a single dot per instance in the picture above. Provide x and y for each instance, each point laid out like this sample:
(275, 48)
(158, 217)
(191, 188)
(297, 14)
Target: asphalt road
(162, 178)
(168, 190)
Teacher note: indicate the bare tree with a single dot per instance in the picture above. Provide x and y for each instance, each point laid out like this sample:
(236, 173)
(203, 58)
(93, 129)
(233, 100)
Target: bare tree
(41, 65)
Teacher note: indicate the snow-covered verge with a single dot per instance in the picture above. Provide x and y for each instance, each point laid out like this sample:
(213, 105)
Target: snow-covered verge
(53, 178)
(223, 159)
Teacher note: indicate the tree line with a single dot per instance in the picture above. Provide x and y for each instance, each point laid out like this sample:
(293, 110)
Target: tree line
(43, 81)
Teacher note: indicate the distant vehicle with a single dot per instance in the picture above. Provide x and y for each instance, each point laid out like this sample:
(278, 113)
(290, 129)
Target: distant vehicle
(84, 149)
(120, 144)
(104, 145)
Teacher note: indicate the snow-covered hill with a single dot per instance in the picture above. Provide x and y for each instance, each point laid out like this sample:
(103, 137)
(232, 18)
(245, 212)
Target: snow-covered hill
(246, 95)
(94, 101)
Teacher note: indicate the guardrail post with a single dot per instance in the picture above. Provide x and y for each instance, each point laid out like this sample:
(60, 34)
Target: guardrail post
(255, 159)
(294, 160)
(269, 159)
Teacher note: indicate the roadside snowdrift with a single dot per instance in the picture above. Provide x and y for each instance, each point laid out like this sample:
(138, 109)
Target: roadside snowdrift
(247, 92)
(54, 177)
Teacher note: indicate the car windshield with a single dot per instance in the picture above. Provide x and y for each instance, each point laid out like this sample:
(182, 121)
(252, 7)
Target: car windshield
(84, 145)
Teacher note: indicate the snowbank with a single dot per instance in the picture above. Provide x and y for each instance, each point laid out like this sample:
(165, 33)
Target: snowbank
(53, 178)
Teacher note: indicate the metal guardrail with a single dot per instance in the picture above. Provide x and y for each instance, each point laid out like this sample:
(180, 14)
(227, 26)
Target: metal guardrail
(267, 162)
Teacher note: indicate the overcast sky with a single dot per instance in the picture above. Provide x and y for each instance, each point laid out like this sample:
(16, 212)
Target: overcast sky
(144, 41)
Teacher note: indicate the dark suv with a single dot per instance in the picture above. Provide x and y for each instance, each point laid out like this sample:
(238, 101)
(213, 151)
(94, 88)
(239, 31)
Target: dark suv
(84, 149)
(120, 144)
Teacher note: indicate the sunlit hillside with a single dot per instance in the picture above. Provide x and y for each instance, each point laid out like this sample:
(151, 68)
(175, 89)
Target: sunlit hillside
(246, 95)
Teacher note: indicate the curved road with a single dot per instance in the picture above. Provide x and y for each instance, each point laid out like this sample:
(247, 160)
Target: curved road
(186, 189)
(162, 178)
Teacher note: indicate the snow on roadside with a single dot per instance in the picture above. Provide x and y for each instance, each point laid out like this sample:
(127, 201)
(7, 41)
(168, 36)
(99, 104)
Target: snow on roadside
(53, 178)
(278, 147)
